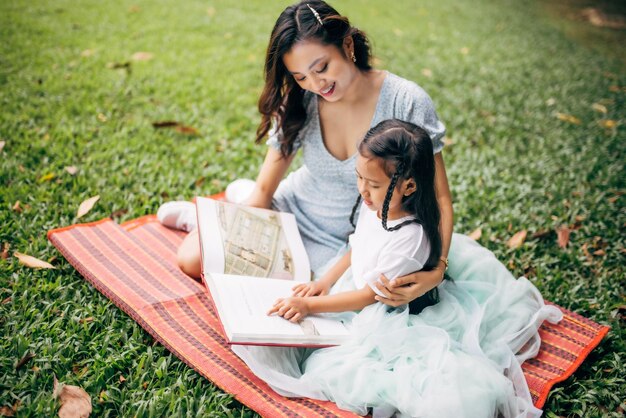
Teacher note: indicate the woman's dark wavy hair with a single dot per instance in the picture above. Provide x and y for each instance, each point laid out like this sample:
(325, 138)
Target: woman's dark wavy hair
(406, 151)
(281, 99)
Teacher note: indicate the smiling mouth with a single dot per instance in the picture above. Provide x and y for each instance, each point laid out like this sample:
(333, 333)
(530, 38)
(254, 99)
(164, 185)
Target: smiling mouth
(328, 91)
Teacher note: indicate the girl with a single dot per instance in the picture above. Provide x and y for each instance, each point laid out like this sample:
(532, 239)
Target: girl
(458, 358)
(397, 231)
(321, 95)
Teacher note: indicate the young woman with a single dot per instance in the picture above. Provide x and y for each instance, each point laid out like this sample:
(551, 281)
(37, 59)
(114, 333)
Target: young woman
(322, 95)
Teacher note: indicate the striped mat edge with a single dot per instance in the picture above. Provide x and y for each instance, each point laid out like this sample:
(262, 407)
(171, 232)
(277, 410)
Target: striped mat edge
(181, 317)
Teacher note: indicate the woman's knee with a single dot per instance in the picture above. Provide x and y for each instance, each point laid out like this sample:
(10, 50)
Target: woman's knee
(188, 255)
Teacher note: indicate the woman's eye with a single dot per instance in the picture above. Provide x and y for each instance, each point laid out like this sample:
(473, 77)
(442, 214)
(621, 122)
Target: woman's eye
(324, 68)
(300, 79)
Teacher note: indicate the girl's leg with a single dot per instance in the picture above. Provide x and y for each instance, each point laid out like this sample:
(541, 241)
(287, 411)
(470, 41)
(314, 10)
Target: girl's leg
(188, 255)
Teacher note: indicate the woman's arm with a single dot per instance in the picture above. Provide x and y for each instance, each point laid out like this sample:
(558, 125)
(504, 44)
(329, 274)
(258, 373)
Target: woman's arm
(296, 308)
(272, 172)
(404, 289)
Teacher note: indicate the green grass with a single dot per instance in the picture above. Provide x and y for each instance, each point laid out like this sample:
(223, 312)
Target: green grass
(512, 165)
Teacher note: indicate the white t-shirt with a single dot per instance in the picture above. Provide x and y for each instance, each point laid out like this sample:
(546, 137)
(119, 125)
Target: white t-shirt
(376, 251)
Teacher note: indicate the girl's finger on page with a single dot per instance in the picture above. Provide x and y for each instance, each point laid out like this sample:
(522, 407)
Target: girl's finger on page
(290, 313)
(296, 318)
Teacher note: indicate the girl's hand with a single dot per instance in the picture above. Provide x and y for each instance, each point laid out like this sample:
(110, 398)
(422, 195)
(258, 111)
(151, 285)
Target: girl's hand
(403, 290)
(292, 309)
(316, 288)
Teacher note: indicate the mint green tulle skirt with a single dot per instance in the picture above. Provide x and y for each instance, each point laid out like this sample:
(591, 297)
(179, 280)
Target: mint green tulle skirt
(459, 358)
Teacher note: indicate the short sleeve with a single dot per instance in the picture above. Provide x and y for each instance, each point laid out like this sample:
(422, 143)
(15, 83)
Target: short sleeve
(404, 254)
(416, 106)
(274, 136)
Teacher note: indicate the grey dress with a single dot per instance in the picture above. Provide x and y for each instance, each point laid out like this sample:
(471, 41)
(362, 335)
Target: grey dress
(323, 191)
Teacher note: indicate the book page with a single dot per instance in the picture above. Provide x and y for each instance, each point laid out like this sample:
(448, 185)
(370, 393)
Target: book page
(243, 303)
(247, 241)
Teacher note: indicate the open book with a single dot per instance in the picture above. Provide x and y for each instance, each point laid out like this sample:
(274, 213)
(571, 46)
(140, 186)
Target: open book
(250, 258)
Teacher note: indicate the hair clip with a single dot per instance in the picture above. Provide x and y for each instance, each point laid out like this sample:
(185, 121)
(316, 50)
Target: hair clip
(317, 16)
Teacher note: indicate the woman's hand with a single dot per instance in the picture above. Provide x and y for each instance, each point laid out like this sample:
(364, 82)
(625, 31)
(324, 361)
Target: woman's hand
(316, 288)
(292, 309)
(403, 290)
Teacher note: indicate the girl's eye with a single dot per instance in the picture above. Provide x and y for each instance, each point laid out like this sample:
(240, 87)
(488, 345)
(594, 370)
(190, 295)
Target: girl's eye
(324, 68)
(300, 79)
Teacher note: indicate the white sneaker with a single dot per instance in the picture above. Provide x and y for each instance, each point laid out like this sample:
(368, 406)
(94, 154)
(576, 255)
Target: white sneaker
(178, 215)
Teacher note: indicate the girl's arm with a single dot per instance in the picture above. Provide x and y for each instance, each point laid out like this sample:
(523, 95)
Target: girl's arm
(323, 285)
(407, 288)
(296, 308)
(272, 171)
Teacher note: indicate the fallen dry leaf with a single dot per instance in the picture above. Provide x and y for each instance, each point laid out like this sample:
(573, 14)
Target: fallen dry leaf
(607, 123)
(75, 402)
(568, 118)
(580, 218)
(7, 411)
(599, 252)
(614, 88)
(17, 207)
(32, 262)
(476, 234)
(126, 65)
(551, 101)
(122, 379)
(2, 144)
(86, 206)
(517, 240)
(142, 56)
(5, 251)
(427, 72)
(562, 234)
(604, 20)
(102, 117)
(599, 108)
(72, 170)
(25, 359)
(165, 124)
(6, 300)
(87, 53)
(86, 320)
(134, 9)
(465, 50)
(187, 130)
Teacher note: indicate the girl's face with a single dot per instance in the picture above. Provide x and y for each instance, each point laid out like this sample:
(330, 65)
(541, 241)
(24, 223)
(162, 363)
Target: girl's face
(373, 183)
(321, 69)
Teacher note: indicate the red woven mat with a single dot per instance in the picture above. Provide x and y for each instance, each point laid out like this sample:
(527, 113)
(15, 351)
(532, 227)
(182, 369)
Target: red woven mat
(134, 265)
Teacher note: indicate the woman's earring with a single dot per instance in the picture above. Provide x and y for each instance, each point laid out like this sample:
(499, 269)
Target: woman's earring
(353, 57)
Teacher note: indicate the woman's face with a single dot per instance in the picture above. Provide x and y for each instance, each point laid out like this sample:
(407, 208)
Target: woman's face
(373, 183)
(321, 69)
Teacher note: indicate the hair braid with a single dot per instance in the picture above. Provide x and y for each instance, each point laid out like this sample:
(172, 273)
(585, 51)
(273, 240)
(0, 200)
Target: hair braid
(354, 208)
(390, 190)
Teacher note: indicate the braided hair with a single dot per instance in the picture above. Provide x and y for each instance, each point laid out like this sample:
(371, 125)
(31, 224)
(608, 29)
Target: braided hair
(406, 152)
